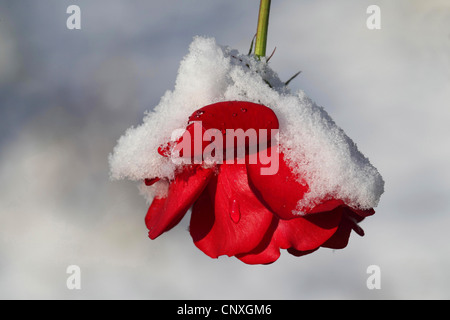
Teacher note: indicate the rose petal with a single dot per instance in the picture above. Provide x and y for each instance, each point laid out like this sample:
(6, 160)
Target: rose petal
(232, 220)
(280, 191)
(149, 182)
(236, 115)
(191, 144)
(299, 253)
(216, 119)
(308, 232)
(267, 251)
(300, 236)
(326, 205)
(363, 213)
(165, 213)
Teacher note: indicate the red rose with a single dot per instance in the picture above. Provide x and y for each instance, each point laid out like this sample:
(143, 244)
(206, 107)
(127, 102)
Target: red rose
(237, 210)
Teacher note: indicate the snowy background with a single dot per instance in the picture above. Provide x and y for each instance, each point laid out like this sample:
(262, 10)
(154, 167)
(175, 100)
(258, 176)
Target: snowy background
(66, 96)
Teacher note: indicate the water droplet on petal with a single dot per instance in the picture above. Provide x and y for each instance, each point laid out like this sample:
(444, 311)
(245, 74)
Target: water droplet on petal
(235, 212)
(198, 113)
(243, 109)
(234, 114)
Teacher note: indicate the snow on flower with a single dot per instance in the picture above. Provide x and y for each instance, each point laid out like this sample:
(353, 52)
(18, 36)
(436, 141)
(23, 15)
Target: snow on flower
(322, 189)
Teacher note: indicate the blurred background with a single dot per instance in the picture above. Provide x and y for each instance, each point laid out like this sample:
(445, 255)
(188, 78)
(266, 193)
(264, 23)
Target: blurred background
(66, 96)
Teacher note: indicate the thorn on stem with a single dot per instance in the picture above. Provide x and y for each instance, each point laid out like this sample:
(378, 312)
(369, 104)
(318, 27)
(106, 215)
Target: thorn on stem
(251, 45)
(292, 78)
(275, 49)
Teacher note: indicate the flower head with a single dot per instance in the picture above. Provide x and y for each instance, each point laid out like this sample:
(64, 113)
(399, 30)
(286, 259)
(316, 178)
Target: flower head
(237, 209)
(263, 170)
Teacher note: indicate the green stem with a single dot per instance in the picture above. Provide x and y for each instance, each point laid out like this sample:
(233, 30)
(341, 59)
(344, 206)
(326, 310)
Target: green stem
(263, 24)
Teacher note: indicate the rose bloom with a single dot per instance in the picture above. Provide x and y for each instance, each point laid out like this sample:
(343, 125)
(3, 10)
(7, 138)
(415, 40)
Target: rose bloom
(237, 210)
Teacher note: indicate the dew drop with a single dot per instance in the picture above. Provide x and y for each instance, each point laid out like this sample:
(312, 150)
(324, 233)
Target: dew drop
(198, 113)
(223, 130)
(234, 114)
(235, 212)
(243, 109)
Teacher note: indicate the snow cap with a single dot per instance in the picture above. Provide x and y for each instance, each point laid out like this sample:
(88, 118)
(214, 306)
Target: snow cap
(314, 146)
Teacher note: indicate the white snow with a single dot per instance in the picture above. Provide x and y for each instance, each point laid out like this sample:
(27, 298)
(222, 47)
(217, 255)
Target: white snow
(314, 145)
